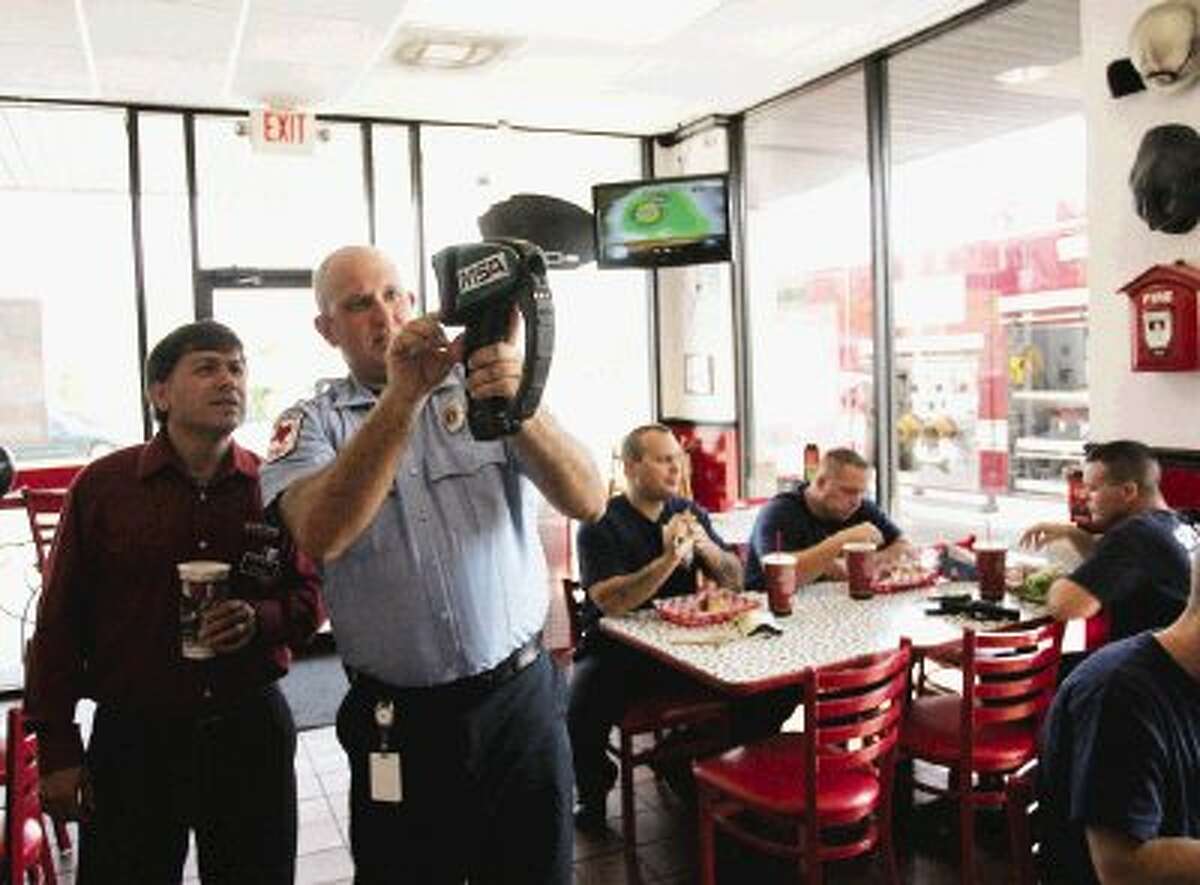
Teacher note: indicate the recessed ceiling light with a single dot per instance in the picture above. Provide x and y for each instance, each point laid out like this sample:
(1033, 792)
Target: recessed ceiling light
(447, 50)
(1023, 75)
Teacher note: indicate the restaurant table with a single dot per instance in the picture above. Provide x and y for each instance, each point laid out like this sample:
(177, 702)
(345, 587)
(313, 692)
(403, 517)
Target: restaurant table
(825, 626)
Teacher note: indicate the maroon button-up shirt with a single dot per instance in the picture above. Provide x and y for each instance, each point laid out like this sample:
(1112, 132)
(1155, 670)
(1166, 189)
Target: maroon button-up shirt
(108, 619)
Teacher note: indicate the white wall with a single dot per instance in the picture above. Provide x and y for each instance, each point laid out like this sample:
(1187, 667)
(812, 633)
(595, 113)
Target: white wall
(696, 305)
(1157, 408)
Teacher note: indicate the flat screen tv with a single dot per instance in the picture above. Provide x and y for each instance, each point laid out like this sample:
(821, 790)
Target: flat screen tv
(662, 222)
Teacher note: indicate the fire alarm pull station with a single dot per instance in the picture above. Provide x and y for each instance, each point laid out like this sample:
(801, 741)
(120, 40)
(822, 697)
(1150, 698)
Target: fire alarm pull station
(1162, 318)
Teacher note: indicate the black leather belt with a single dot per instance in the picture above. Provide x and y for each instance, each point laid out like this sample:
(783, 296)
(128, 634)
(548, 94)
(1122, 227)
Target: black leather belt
(479, 683)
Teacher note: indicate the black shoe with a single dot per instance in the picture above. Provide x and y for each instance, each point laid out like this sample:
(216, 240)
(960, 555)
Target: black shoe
(590, 817)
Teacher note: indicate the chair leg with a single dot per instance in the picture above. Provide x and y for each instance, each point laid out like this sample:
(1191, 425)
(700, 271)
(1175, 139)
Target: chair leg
(628, 819)
(884, 816)
(966, 827)
(45, 863)
(706, 847)
(62, 836)
(810, 857)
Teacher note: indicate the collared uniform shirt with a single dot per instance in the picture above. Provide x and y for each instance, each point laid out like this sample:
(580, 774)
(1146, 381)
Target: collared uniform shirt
(108, 619)
(449, 578)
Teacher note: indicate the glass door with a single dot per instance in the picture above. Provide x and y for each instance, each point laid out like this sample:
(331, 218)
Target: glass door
(272, 312)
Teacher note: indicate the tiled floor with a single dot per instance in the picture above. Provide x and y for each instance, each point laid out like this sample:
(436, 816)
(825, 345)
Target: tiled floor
(666, 838)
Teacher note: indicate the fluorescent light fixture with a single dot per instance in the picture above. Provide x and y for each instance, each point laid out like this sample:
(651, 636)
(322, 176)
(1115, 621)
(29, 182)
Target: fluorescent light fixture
(1023, 75)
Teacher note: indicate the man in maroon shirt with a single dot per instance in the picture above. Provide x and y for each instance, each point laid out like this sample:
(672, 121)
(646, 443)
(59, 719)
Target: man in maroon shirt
(177, 744)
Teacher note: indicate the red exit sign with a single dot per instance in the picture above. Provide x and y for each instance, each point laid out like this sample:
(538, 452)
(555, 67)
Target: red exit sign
(291, 132)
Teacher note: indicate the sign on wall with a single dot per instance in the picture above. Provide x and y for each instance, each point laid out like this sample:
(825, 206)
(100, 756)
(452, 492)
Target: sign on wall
(283, 132)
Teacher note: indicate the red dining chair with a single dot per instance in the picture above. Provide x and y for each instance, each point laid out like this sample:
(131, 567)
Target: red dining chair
(25, 855)
(821, 795)
(990, 730)
(1021, 804)
(682, 725)
(43, 508)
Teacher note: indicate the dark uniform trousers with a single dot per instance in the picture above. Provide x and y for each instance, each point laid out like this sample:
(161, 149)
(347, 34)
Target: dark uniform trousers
(486, 781)
(227, 774)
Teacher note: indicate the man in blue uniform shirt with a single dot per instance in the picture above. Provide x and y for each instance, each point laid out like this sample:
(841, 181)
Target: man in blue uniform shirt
(1137, 555)
(437, 589)
(816, 520)
(1120, 770)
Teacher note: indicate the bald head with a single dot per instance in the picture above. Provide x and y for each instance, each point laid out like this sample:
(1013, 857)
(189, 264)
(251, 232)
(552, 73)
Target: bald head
(327, 277)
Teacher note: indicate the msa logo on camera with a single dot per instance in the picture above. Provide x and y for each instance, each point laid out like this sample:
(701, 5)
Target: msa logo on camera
(480, 273)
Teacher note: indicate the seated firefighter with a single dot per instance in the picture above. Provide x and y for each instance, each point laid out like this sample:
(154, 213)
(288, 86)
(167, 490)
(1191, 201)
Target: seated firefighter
(820, 517)
(1136, 557)
(650, 543)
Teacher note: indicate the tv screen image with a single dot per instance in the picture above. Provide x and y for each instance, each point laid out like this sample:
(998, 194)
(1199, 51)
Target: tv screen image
(662, 222)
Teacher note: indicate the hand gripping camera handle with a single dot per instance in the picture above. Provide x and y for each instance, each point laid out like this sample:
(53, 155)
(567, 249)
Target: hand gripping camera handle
(494, 417)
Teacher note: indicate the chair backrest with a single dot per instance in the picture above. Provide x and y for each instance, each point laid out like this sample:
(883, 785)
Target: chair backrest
(853, 708)
(43, 507)
(852, 715)
(1021, 806)
(24, 836)
(1009, 676)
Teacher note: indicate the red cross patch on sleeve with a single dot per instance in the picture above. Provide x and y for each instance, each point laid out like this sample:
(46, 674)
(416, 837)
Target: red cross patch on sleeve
(284, 435)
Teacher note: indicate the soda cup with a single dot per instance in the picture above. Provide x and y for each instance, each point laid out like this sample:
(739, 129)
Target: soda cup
(860, 568)
(989, 564)
(202, 584)
(780, 571)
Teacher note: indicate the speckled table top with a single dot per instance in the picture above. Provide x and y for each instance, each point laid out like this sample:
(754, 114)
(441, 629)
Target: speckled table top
(826, 625)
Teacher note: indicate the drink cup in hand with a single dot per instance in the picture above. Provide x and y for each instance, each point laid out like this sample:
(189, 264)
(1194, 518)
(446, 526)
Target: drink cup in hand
(860, 568)
(202, 584)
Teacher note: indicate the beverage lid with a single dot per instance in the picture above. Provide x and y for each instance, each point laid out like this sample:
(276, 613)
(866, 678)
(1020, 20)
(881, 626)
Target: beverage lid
(203, 570)
(990, 546)
(860, 547)
(778, 558)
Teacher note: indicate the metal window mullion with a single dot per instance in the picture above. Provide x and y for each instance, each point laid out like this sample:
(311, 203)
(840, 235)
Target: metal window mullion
(742, 370)
(879, 169)
(201, 306)
(417, 188)
(133, 141)
(368, 170)
(655, 362)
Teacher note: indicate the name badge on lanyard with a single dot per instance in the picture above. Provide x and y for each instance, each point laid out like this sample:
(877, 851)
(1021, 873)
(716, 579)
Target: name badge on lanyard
(387, 783)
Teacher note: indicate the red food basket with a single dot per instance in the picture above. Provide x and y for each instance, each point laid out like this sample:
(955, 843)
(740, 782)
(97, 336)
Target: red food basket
(914, 582)
(704, 608)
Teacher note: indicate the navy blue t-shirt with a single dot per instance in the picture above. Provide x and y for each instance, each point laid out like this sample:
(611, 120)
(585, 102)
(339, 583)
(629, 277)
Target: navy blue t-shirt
(786, 523)
(1120, 750)
(1141, 571)
(624, 541)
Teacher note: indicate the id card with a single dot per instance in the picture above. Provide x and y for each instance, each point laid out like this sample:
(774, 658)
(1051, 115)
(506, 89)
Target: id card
(386, 782)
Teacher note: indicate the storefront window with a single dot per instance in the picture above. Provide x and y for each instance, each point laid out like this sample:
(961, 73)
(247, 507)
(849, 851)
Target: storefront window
(989, 283)
(69, 383)
(599, 385)
(277, 210)
(68, 322)
(808, 242)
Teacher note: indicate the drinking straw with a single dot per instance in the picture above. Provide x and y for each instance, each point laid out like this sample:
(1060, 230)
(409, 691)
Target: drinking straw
(778, 540)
